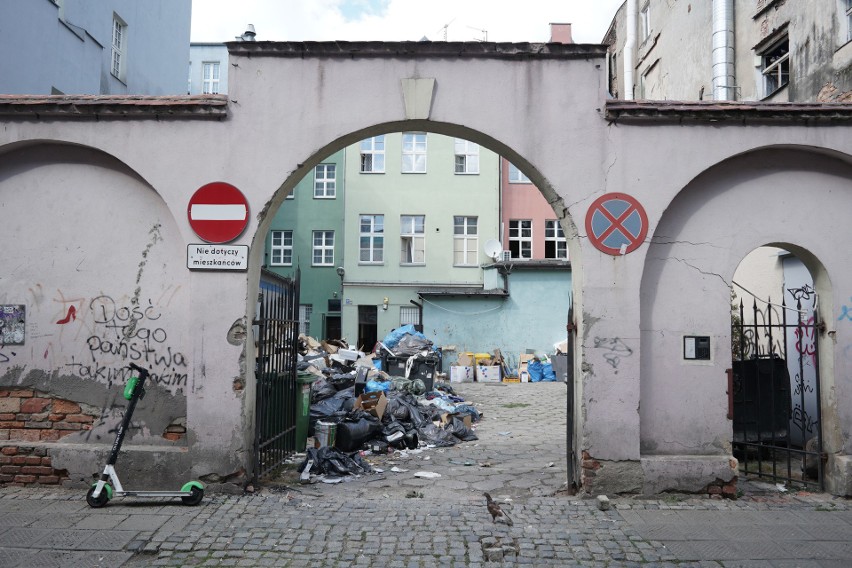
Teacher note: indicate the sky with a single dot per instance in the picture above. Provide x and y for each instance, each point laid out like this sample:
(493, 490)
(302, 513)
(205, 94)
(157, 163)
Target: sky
(400, 20)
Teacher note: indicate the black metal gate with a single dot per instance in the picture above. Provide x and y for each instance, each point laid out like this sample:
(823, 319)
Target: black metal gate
(774, 393)
(276, 334)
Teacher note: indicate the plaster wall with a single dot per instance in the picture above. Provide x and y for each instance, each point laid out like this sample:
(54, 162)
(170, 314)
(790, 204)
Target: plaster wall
(268, 143)
(524, 201)
(201, 53)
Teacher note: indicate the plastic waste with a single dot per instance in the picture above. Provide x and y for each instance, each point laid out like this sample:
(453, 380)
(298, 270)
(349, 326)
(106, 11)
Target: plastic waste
(331, 461)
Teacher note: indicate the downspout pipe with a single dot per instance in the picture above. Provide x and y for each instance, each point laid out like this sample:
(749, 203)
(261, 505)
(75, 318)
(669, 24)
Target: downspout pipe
(630, 49)
(724, 74)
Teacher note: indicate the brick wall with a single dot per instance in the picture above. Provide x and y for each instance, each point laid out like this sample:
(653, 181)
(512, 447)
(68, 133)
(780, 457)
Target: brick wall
(30, 416)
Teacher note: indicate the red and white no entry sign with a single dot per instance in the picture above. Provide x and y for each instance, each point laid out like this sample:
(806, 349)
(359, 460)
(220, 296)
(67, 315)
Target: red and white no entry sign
(218, 212)
(616, 223)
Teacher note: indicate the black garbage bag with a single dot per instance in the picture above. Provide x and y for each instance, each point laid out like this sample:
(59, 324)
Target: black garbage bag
(395, 409)
(331, 461)
(436, 436)
(321, 390)
(415, 416)
(457, 427)
(341, 401)
(352, 434)
(342, 381)
(412, 344)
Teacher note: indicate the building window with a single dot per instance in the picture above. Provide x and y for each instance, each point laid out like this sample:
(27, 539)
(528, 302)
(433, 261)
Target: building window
(409, 315)
(282, 248)
(413, 239)
(325, 185)
(645, 21)
(465, 241)
(305, 311)
(848, 20)
(414, 152)
(467, 157)
(516, 175)
(776, 66)
(323, 250)
(210, 78)
(373, 155)
(555, 245)
(119, 48)
(372, 245)
(520, 238)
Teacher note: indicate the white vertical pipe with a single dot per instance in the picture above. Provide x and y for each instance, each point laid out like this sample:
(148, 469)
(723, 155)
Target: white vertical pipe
(630, 49)
(724, 75)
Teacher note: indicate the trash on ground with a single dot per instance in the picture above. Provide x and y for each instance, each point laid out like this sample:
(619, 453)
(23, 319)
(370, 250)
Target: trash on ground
(427, 475)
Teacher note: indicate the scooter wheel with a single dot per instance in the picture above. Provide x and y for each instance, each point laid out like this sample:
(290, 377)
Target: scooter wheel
(194, 498)
(100, 500)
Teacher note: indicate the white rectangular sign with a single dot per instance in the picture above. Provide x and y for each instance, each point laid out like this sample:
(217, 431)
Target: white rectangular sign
(217, 257)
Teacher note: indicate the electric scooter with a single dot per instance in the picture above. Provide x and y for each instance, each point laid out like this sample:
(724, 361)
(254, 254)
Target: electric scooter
(101, 492)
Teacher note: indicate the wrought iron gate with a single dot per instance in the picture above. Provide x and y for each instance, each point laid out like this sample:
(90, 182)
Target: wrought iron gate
(774, 393)
(276, 332)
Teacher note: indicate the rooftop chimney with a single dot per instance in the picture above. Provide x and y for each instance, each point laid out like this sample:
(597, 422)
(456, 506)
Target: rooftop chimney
(560, 33)
(247, 35)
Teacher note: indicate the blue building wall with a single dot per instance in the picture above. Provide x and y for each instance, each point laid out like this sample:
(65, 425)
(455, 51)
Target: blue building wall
(66, 47)
(534, 316)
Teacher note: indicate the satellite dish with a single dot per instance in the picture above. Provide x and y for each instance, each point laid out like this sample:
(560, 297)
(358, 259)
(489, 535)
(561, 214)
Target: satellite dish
(493, 249)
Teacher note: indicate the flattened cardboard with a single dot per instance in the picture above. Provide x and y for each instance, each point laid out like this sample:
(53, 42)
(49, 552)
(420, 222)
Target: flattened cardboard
(372, 402)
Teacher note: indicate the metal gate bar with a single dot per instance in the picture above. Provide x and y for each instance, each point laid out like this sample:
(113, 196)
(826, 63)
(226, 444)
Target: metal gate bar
(766, 413)
(276, 335)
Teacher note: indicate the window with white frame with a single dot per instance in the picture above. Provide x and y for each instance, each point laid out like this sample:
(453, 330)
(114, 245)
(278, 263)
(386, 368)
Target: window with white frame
(409, 315)
(413, 239)
(645, 21)
(520, 238)
(414, 152)
(372, 239)
(305, 312)
(848, 19)
(119, 48)
(325, 181)
(373, 155)
(776, 66)
(467, 157)
(282, 248)
(210, 78)
(323, 248)
(555, 245)
(465, 241)
(516, 175)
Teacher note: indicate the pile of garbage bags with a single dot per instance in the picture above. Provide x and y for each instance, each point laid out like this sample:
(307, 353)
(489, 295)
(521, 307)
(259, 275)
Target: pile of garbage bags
(370, 410)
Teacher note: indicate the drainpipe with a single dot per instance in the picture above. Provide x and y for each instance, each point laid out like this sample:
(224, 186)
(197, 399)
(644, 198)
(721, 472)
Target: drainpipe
(630, 49)
(724, 76)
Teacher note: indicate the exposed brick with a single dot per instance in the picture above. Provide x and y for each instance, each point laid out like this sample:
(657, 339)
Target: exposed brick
(19, 460)
(48, 479)
(7, 416)
(50, 435)
(67, 426)
(5, 478)
(24, 435)
(82, 418)
(9, 450)
(25, 478)
(40, 452)
(172, 436)
(46, 461)
(4, 393)
(40, 417)
(37, 470)
(65, 407)
(4, 433)
(63, 433)
(24, 393)
(714, 490)
(5, 460)
(33, 460)
(10, 405)
(34, 405)
(39, 425)
(175, 428)
(10, 469)
(15, 424)
(53, 417)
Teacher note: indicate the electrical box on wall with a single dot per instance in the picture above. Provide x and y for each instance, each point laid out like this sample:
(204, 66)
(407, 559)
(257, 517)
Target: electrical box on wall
(696, 347)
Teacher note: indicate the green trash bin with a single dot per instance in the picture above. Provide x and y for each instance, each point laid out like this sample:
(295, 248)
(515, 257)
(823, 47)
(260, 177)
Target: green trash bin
(303, 407)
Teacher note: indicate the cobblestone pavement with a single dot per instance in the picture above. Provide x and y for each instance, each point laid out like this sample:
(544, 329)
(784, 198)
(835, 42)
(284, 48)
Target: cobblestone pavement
(399, 520)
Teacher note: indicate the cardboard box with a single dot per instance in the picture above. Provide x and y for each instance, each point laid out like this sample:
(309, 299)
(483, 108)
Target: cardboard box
(372, 402)
(446, 417)
(488, 374)
(523, 361)
(461, 374)
(465, 360)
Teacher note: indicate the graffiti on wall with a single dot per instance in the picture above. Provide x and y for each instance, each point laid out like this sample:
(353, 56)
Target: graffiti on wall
(846, 312)
(122, 333)
(615, 350)
(13, 318)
